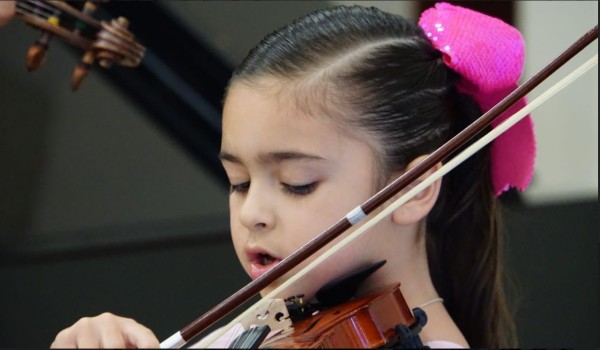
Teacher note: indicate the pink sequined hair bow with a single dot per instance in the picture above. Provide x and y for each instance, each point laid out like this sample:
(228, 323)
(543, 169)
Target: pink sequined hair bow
(489, 55)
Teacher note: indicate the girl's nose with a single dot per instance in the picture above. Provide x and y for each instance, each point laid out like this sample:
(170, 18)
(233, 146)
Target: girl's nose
(256, 212)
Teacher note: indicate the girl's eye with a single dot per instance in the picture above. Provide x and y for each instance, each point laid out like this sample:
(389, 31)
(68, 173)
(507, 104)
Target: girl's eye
(300, 190)
(242, 187)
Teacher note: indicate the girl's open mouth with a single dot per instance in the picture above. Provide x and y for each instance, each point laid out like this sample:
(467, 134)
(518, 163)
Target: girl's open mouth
(265, 259)
(261, 263)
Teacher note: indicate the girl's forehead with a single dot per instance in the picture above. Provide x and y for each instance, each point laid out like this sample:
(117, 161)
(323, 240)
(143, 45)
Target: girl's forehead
(269, 108)
(291, 102)
(270, 101)
(257, 121)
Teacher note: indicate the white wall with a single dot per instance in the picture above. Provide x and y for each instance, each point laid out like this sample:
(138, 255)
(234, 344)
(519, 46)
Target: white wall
(567, 125)
(404, 8)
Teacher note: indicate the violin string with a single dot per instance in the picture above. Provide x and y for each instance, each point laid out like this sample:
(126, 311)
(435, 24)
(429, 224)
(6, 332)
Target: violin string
(31, 9)
(39, 5)
(36, 11)
(458, 159)
(43, 4)
(76, 14)
(231, 338)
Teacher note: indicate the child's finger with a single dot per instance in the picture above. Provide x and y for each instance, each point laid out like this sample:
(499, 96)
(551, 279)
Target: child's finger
(80, 335)
(106, 331)
(138, 336)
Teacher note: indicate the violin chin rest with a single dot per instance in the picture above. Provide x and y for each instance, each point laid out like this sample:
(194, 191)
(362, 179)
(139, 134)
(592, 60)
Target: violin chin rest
(343, 288)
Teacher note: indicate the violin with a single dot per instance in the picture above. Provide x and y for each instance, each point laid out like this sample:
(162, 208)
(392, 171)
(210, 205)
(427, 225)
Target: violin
(380, 319)
(336, 319)
(368, 322)
(104, 42)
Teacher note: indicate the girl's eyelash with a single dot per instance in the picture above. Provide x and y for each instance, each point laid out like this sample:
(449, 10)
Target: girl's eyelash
(242, 187)
(300, 190)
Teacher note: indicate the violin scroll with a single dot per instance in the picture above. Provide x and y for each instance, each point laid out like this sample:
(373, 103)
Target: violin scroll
(114, 44)
(105, 42)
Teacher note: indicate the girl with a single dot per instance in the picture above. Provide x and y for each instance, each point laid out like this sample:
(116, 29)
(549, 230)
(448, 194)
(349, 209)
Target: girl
(325, 112)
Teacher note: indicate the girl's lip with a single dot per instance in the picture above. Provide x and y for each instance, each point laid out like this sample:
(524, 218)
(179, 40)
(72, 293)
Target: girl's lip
(257, 269)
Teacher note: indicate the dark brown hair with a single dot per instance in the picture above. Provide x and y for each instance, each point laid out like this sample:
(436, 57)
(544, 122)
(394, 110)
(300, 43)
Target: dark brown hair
(380, 73)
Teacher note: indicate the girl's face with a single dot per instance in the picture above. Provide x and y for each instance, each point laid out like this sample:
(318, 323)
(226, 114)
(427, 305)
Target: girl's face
(292, 176)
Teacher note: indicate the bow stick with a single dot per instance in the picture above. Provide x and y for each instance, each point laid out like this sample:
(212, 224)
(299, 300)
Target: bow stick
(355, 216)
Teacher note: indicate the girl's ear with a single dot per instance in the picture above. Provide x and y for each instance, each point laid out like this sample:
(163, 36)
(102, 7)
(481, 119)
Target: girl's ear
(419, 206)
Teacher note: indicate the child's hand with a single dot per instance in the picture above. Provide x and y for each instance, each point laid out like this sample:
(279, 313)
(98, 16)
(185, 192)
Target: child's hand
(106, 331)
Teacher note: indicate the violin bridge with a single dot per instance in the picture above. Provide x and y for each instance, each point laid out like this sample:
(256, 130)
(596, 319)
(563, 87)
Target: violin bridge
(272, 313)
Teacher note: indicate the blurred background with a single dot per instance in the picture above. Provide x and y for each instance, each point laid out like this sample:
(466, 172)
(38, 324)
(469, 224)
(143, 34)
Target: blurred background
(112, 197)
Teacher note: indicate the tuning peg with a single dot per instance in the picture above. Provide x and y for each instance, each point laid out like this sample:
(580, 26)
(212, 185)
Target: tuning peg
(89, 7)
(82, 69)
(37, 52)
(107, 43)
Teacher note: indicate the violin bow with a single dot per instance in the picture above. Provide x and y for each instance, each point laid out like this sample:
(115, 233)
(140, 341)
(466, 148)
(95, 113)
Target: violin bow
(356, 215)
(104, 42)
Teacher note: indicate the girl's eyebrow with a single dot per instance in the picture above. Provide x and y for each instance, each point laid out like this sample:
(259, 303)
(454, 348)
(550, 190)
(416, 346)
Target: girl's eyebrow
(272, 157)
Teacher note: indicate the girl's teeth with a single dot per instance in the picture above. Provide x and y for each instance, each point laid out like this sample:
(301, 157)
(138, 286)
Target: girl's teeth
(265, 260)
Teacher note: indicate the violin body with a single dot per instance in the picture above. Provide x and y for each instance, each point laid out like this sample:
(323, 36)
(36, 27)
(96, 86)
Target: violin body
(366, 322)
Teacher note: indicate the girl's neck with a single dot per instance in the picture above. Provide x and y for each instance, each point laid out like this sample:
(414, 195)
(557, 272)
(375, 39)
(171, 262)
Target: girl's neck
(407, 264)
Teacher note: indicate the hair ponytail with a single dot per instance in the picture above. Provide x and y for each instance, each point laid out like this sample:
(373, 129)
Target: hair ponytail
(465, 246)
